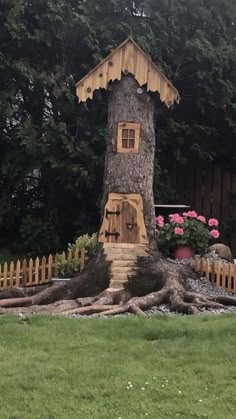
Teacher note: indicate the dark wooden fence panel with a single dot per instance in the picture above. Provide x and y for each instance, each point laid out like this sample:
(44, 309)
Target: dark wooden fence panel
(233, 209)
(210, 191)
(226, 186)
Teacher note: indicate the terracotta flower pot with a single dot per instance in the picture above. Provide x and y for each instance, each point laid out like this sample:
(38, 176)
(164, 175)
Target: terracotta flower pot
(184, 252)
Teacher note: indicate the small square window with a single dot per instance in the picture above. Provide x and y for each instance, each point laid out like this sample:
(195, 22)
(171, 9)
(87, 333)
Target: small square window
(131, 133)
(125, 143)
(125, 133)
(128, 137)
(131, 143)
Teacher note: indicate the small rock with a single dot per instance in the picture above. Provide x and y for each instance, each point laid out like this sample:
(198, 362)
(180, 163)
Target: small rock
(222, 251)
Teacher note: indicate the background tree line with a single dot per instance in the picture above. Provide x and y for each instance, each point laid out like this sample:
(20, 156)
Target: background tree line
(51, 148)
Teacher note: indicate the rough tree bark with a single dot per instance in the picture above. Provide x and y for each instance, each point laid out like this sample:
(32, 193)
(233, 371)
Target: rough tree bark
(157, 280)
(131, 173)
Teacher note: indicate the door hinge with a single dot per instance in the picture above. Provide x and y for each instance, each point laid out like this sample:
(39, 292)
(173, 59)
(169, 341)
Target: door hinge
(116, 234)
(112, 212)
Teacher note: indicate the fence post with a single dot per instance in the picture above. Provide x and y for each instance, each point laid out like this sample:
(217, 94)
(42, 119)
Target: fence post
(50, 262)
(230, 276)
(18, 273)
(213, 268)
(82, 259)
(24, 273)
(31, 264)
(43, 278)
(36, 271)
(5, 270)
(11, 274)
(223, 274)
(55, 266)
(201, 267)
(218, 273)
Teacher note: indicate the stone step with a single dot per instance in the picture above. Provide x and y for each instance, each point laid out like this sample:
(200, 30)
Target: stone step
(125, 246)
(123, 263)
(132, 253)
(120, 256)
(116, 284)
(121, 270)
(121, 277)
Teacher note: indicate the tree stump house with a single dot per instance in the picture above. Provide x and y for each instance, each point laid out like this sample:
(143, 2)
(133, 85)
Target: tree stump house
(128, 228)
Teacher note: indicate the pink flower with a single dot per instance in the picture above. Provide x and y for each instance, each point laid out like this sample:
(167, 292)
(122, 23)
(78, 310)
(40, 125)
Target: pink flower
(201, 218)
(173, 216)
(215, 233)
(213, 222)
(191, 214)
(160, 221)
(176, 218)
(179, 231)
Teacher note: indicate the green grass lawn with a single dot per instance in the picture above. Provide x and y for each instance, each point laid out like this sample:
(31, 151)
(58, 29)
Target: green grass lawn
(179, 367)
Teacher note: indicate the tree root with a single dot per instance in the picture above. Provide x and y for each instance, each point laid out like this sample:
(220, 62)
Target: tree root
(157, 282)
(113, 302)
(179, 300)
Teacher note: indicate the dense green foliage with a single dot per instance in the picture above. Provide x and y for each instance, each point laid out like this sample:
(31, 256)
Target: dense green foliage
(70, 268)
(129, 368)
(52, 149)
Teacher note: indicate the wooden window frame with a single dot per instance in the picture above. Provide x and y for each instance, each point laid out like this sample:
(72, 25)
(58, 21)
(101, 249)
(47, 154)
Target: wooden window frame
(128, 126)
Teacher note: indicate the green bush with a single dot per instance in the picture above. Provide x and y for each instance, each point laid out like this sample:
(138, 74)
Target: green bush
(71, 268)
(87, 242)
(68, 268)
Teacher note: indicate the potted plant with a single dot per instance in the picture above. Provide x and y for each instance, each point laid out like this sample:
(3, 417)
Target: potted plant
(187, 234)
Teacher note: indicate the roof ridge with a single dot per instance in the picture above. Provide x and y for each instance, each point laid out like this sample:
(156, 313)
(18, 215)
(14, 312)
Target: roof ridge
(149, 74)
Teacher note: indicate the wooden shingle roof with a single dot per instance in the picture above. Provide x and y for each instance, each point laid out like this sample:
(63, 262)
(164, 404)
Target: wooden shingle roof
(127, 58)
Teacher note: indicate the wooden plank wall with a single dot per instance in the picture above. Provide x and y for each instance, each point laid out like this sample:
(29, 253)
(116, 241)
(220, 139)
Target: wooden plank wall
(211, 191)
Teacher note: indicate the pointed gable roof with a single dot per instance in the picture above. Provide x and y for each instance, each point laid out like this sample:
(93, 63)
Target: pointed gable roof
(127, 58)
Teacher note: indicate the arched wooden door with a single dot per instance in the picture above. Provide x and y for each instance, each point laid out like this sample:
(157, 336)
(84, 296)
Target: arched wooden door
(123, 220)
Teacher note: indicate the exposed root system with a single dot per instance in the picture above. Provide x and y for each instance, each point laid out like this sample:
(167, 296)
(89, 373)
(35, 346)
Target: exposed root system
(157, 282)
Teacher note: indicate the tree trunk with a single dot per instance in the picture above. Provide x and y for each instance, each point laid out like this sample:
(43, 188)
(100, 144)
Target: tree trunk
(157, 280)
(129, 173)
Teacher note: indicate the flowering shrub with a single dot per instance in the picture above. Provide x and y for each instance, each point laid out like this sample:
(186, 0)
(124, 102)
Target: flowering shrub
(189, 229)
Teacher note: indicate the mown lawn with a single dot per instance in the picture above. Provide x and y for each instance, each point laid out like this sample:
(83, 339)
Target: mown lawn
(179, 367)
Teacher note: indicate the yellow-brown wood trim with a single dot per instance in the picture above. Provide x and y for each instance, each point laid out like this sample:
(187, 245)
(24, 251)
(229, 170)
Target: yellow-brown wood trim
(108, 57)
(128, 126)
(147, 57)
(130, 198)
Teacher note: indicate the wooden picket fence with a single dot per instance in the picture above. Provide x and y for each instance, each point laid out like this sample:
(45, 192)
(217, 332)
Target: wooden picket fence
(219, 273)
(36, 271)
